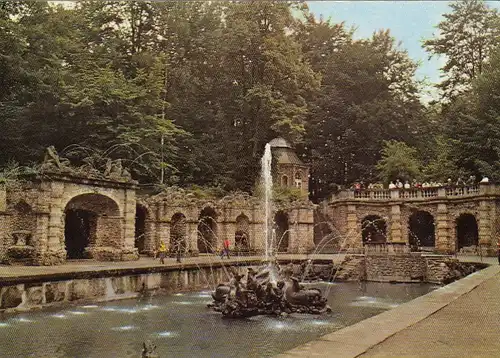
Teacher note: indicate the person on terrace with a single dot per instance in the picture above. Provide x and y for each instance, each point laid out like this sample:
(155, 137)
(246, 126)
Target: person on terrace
(471, 181)
(399, 184)
(485, 180)
(392, 185)
(460, 182)
(407, 185)
(162, 250)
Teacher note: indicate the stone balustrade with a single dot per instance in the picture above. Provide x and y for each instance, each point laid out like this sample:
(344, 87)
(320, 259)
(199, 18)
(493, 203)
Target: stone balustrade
(417, 193)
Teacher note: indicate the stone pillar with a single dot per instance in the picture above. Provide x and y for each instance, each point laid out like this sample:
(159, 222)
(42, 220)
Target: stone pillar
(395, 224)
(230, 230)
(54, 253)
(257, 226)
(56, 219)
(129, 220)
(163, 230)
(444, 242)
(257, 237)
(294, 230)
(485, 223)
(192, 237)
(160, 213)
(353, 239)
(41, 234)
(149, 240)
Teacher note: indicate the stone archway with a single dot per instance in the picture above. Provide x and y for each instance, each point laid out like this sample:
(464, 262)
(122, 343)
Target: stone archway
(467, 231)
(207, 231)
(141, 216)
(242, 236)
(421, 230)
(91, 220)
(373, 229)
(178, 233)
(282, 233)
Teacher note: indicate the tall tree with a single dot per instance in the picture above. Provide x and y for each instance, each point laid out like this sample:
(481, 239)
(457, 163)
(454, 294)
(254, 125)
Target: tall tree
(368, 94)
(466, 37)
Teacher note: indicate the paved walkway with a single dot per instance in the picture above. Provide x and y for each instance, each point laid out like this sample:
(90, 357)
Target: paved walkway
(457, 320)
(467, 327)
(79, 266)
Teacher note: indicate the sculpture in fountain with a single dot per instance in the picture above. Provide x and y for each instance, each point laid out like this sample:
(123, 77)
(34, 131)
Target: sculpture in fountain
(267, 291)
(262, 294)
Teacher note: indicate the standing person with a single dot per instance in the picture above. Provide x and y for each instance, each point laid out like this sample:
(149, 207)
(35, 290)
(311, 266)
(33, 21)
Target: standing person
(225, 249)
(162, 251)
(179, 248)
(498, 251)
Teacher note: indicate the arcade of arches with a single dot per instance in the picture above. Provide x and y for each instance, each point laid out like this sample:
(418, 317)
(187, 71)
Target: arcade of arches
(59, 217)
(446, 226)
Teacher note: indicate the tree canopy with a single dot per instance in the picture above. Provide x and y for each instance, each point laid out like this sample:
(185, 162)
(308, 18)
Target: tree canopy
(196, 89)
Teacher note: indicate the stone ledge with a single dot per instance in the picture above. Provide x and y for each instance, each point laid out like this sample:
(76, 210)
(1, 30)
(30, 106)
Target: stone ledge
(354, 340)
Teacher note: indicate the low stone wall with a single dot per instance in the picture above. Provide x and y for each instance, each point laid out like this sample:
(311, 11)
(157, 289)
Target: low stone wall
(404, 267)
(395, 268)
(353, 268)
(46, 293)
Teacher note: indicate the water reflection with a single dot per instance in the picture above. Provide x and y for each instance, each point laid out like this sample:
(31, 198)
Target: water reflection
(185, 327)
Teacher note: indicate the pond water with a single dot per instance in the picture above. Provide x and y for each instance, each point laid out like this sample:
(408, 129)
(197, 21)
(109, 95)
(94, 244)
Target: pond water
(182, 326)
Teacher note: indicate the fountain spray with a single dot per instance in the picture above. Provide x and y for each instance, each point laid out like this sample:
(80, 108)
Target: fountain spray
(267, 184)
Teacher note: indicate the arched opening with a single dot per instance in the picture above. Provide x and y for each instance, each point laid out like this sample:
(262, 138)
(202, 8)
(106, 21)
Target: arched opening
(141, 215)
(467, 232)
(421, 230)
(241, 236)
(91, 220)
(298, 180)
(282, 233)
(207, 231)
(373, 229)
(284, 180)
(178, 233)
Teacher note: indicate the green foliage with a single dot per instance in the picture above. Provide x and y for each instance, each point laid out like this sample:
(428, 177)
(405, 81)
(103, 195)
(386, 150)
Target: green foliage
(474, 124)
(212, 81)
(443, 163)
(399, 161)
(287, 194)
(467, 36)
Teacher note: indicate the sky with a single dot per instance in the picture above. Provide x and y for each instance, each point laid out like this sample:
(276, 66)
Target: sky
(409, 22)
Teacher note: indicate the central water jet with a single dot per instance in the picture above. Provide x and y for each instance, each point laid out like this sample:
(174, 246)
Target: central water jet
(267, 185)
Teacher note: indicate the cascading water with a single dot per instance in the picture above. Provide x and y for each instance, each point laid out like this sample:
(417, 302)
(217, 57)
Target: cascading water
(267, 185)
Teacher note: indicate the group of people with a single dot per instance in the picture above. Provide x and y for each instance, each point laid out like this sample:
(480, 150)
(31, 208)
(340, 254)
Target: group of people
(398, 184)
(161, 253)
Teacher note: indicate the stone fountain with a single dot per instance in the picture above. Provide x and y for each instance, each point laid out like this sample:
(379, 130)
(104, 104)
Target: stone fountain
(270, 290)
(260, 293)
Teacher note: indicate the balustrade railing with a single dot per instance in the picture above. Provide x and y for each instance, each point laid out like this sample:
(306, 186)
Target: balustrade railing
(417, 193)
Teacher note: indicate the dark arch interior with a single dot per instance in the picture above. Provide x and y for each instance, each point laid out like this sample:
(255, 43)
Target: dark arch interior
(79, 227)
(467, 232)
(140, 227)
(421, 231)
(373, 229)
(241, 236)
(282, 233)
(178, 233)
(207, 231)
(82, 214)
